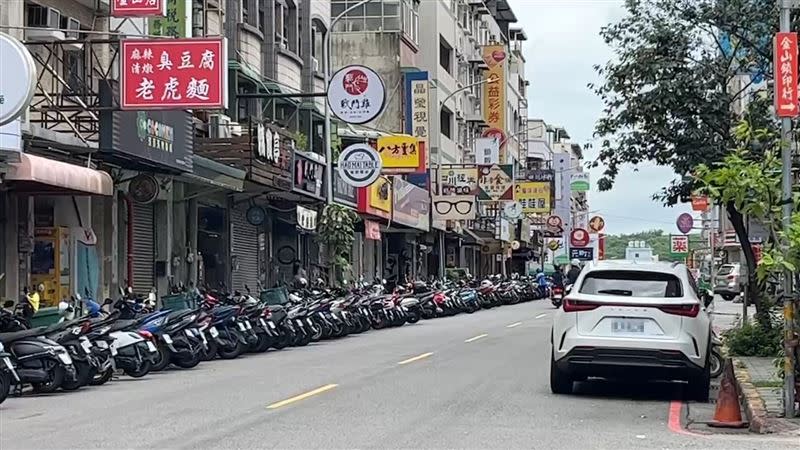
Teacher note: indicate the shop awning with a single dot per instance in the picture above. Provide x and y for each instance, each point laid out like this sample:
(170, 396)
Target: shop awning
(36, 173)
(212, 173)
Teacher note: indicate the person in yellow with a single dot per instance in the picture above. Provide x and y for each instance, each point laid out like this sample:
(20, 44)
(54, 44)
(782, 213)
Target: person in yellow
(34, 299)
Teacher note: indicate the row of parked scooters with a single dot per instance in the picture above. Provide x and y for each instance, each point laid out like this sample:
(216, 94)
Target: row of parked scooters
(131, 336)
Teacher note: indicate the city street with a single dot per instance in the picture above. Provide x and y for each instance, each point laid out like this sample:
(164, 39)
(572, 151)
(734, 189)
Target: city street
(470, 381)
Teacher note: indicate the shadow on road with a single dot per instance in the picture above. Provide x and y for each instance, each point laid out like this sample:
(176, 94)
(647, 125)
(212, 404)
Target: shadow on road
(632, 390)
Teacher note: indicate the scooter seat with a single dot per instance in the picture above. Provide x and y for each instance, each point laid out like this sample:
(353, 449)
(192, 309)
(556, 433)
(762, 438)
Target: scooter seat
(7, 338)
(122, 324)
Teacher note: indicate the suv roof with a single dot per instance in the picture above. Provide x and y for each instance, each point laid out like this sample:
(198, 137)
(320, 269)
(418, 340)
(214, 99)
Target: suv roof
(676, 268)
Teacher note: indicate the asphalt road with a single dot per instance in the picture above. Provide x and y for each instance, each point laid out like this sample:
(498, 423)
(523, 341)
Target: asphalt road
(470, 381)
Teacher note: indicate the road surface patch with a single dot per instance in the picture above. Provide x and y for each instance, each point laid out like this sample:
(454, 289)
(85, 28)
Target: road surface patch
(515, 324)
(540, 316)
(473, 339)
(303, 396)
(416, 358)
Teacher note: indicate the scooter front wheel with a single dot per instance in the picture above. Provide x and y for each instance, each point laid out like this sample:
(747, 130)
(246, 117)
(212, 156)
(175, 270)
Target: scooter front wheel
(715, 363)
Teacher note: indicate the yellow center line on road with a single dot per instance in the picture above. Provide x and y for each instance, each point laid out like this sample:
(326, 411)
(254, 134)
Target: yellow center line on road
(473, 339)
(416, 358)
(304, 396)
(515, 324)
(540, 316)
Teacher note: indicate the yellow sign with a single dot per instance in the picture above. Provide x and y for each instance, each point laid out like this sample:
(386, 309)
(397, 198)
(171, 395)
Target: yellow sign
(494, 93)
(534, 196)
(399, 152)
(380, 194)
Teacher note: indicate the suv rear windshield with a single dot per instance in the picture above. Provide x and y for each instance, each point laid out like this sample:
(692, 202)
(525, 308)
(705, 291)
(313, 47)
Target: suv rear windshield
(724, 270)
(632, 283)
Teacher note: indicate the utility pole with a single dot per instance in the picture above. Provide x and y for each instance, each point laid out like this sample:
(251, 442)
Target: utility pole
(786, 185)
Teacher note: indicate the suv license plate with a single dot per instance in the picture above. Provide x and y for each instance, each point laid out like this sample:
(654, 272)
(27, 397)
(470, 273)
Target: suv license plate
(213, 332)
(627, 326)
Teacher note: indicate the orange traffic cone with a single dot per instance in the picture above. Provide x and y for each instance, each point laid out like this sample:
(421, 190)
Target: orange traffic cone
(728, 412)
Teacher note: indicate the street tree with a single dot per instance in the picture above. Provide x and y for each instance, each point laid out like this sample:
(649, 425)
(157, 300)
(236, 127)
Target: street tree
(669, 93)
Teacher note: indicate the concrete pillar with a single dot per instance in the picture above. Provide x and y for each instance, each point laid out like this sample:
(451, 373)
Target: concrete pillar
(10, 263)
(180, 233)
(192, 227)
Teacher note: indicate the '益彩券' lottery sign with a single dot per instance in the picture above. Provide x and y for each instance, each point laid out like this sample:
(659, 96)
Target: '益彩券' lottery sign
(359, 165)
(785, 63)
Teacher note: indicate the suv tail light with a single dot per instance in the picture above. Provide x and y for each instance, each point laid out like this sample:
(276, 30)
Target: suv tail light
(577, 305)
(682, 310)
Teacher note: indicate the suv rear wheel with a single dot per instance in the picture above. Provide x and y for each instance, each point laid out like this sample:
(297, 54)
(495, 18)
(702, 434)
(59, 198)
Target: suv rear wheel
(560, 382)
(700, 385)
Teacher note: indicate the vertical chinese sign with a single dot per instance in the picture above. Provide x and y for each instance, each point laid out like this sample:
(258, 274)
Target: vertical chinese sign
(176, 22)
(679, 246)
(494, 95)
(173, 74)
(785, 63)
(138, 8)
(416, 86)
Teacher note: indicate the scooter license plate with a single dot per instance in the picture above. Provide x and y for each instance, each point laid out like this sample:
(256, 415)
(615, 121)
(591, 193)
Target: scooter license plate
(310, 323)
(189, 332)
(151, 347)
(213, 332)
(113, 350)
(64, 358)
(272, 325)
(101, 344)
(247, 325)
(242, 327)
(86, 345)
(299, 323)
(167, 339)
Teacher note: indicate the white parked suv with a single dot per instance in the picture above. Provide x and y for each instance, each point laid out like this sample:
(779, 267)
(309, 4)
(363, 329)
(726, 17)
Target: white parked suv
(641, 320)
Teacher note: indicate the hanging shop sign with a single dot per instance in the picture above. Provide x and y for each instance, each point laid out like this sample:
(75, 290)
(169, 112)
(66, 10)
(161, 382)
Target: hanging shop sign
(138, 8)
(372, 230)
(412, 205)
(359, 165)
(685, 223)
(496, 182)
(454, 207)
(308, 175)
(421, 180)
(525, 233)
(401, 153)
(786, 76)
(306, 218)
(512, 210)
(268, 144)
(494, 92)
(174, 73)
(487, 150)
(679, 245)
(17, 78)
(376, 199)
(582, 253)
(700, 203)
(162, 137)
(458, 180)
(578, 237)
(579, 181)
(343, 193)
(534, 196)
(176, 23)
(503, 231)
(541, 175)
(554, 227)
(256, 215)
(144, 188)
(417, 123)
(596, 224)
(356, 94)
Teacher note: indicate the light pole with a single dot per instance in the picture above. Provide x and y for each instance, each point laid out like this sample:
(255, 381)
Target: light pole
(439, 154)
(326, 55)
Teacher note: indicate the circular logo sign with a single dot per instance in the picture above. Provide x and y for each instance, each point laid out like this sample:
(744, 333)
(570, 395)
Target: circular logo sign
(359, 165)
(597, 224)
(554, 222)
(515, 245)
(496, 133)
(553, 245)
(17, 78)
(144, 188)
(685, 223)
(256, 215)
(512, 210)
(356, 94)
(579, 238)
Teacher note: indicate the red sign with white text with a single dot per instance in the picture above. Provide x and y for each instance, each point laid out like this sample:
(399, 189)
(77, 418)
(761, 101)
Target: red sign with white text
(785, 63)
(138, 8)
(173, 74)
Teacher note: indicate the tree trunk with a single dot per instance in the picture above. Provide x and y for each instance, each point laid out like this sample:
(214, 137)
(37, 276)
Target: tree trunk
(755, 289)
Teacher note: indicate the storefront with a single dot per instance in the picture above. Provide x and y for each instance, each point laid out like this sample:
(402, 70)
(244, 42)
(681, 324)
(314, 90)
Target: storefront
(411, 208)
(375, 203)
(345, 195)
(308, 180)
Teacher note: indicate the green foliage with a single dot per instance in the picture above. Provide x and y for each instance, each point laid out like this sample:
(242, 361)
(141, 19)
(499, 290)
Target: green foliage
(656, 239)
(336, 229)
(752, 339)
(300, 140)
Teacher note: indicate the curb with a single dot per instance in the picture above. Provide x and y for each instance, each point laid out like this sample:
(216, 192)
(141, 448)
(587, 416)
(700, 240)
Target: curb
(754, 407)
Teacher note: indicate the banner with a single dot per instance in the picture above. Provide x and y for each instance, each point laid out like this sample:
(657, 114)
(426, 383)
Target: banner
(496, 182)
(458, 180)
(454, 207)
(534, 196)
(411, 205)
(400, 152)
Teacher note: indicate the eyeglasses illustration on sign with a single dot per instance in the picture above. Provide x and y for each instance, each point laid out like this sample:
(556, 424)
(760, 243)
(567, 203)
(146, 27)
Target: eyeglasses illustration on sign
(444, 207)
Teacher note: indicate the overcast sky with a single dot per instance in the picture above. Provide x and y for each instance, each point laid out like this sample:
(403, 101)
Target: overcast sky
(563, 45)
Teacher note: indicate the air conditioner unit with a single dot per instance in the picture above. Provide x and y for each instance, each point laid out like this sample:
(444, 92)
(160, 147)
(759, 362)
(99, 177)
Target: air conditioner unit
(74, 32)
(235, 129)
(219, 126)
(315, 64)
(44, 24)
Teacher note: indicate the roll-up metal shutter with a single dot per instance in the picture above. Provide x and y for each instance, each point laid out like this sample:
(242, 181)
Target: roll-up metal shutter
(244, 246)
(143, 248)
